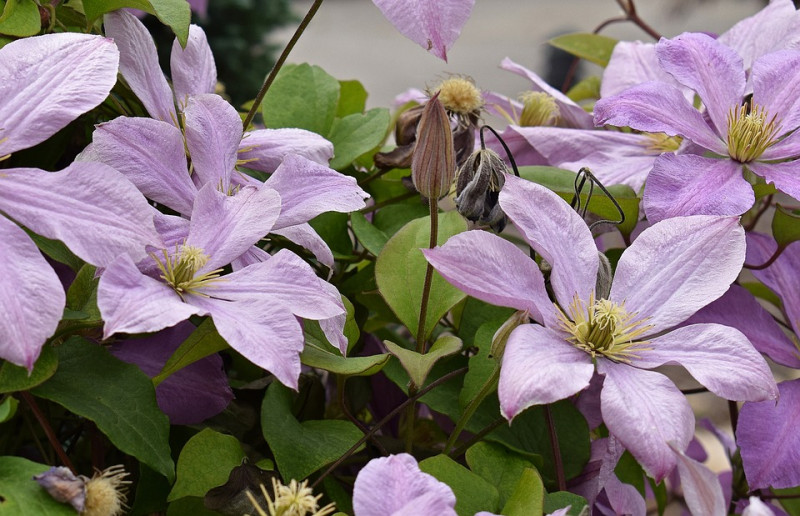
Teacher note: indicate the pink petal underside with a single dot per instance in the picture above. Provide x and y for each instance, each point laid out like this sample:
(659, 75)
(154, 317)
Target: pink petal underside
(624, 498)
(265, 149)
(47, 81)
(633, 63)
(389, 484)
(775, 87)
(678, 266)
(555, 231)
(719, 357)
(333, 327)
(138, 64)
(493, 270)
(131, 302)
(614, 157)
(708, 67)
(739, 309)
(769, 441)
(150, 154)
(213, 132)
(681, 185)
(781, 276)
(785, 176)
(308, 189)
(775, 27)
(502, 106)
(90, 207)
(31, 297)
(253, 255)
(657, 107)
(433, 24)
(225, 227)
(193, 68)
(572, 115)
(304, 235)
(540, 367)
(645, 411)
(701, 488)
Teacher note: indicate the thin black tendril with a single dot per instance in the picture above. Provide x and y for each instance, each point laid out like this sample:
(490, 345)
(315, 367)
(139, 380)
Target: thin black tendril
(580, 181)
(505, 147)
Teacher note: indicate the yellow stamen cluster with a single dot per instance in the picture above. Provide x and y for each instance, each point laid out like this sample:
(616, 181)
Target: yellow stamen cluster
(180, 270)
(658, 143)
(460, 96)
(105, 492)
(750, 132)
(603, 327)
(296, 499)
(1, 141)
(538, 109)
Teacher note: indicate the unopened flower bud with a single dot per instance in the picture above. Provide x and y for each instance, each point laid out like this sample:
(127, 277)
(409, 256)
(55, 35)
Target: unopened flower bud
(478, 188)
(433, 165)
(504, 332)
(604, 276)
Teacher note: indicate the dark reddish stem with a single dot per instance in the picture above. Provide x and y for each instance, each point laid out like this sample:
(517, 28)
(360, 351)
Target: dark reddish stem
(558, 463)
(48, 430)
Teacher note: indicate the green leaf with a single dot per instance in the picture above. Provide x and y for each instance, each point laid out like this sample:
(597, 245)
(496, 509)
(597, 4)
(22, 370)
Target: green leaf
(332, 227)
(392, 218)
(352, 98)
(303, 96)
(629, 471)
(475, 314)
(203, 341)
(418, 365)
(356, 134)
(481, 366)
(175, 14)
(592, 47)
(20, 18)
(400, 272)
(190, 506)
(561, 499)
(589, 88)
(473, 494)
(82, 294)
(792, 504)
(118, 397)
(761, 291)
(19, 495)
(300, 449)
(56, 250)
(323, 357)
(8, 408)
(14, 378)
(498, 466)
(151, 493)
(527, 499)
(94, 9)
(205, 462)
(785, 225)
(372, 238)
(562, 182)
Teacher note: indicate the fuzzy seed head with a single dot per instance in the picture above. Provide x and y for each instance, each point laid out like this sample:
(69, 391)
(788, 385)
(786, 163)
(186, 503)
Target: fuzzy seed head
(105, 493)
(460, 96)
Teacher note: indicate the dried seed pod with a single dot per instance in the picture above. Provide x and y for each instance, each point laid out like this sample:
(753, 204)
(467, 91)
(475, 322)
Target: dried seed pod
(478, 186)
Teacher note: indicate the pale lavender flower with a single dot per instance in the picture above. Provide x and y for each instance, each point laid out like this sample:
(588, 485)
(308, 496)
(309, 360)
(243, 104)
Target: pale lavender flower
(93, 209)
(671, 270)
(395, 486)
(757, 134)
(701, 488)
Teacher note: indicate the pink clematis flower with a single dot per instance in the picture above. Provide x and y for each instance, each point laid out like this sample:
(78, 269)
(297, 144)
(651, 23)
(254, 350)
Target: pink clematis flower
(671, 270)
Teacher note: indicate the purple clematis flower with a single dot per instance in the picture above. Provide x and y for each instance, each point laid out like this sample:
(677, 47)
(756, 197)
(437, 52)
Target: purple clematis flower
(671, 270)
(395, 486)
(757, 134)
(93, 209)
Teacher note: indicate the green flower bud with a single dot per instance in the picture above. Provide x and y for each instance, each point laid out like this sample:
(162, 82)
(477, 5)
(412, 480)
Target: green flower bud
(433, 164)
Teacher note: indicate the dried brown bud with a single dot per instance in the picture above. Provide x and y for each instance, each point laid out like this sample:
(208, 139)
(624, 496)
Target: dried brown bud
(433, 165)
(478, 188)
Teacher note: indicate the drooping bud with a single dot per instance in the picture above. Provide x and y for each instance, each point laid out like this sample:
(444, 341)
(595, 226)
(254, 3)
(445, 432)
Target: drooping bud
(502, 334)
(433, 165)
(478, 187)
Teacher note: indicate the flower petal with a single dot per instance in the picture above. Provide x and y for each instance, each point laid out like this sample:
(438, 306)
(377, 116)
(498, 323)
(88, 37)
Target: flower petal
(657, 107)
(31, 297)
(701, 488)
(193, 68)
(265, 149)
(633, 63)
(524, 154)
(433, 24)
(769, 441)
(138, 64)
(682, 185)
(150, 154)
(781, 276)
(304, 235)
(624, 498)
(678, 266)
(555, 231)
(493, 270)
(90, 207)
(785, 175)
(775, 77)
(710, 68)
(774, 27)
(213, 132)
(539, 367)
(308, 189)
(47, 81)
(389, 485)
(645, 411)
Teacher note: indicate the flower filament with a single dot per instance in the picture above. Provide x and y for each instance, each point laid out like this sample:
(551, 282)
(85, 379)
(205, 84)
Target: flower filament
(538, 109)
(750, 132)
(603, 328)
(180, 270)
(296, 499)
(658, 143)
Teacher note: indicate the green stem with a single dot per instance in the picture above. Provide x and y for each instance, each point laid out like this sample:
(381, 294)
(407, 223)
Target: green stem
(557, 462)
(488, 388)
(279, 63)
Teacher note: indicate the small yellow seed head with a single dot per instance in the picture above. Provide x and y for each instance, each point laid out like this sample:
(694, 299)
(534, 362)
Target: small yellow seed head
(460, 96)
(105, 493)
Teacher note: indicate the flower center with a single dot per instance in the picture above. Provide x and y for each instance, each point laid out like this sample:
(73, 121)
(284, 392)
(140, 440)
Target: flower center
(180, 270)
(296, 499)
(603, 328)
(658, 143)
(460, 96)
(538, 109)
(750, 132)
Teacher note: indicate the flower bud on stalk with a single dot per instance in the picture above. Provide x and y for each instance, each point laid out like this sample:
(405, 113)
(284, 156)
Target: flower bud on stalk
(478, 188)
(433, 166)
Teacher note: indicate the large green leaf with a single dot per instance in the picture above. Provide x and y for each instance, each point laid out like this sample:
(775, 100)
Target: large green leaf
(203, 341)
(498, 466)
(527, 498)
(418, 365)
(473, 493)
(303, 96)
(356, 134)
(14, 378)
(117, 396)
(786, 225)
(300, 449)
(323, 356)
(205, 462)
(400, 272)
(372, 238)
(561, 499)
(176, 14)
(352, 98)
(20, 18)
(19, 495)
(592, 47)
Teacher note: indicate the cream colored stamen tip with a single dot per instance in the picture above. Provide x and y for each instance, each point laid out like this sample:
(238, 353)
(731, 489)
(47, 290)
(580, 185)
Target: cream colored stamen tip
(105, 493)
(460, 95)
